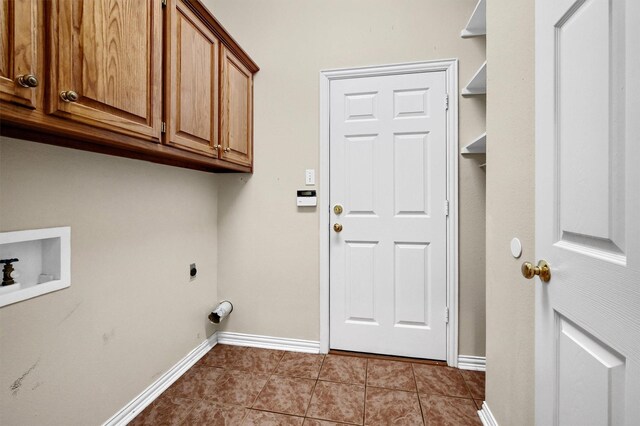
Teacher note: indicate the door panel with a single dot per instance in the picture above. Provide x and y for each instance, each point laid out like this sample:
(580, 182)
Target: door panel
(193, 83)
(18, 29)
(237, 110)
(388, 171)
(411, 174)
(361, 281)
(109, 53)
(412, 284)
(587, 210)
(583, 42)
(593, 398)
(361, 182)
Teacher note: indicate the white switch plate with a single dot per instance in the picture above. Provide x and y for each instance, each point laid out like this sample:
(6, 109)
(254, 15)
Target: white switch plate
(310, 177)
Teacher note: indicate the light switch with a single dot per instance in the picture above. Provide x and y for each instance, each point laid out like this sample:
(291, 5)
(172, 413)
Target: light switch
(310, 177)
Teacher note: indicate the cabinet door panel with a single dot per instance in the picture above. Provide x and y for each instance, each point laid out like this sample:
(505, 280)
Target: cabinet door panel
(192, 82)
(109, 53)
(237, 111)
(17, 49)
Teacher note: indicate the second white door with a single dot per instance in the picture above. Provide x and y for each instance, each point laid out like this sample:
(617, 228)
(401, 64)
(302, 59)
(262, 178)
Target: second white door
(388, 173)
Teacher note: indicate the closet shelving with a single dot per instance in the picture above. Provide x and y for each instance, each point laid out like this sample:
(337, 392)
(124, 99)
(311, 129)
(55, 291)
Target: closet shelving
(478, 83)
(476, 27)
(478, 146)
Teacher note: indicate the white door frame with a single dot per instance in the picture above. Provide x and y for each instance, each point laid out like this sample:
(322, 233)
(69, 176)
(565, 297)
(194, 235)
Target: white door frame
(450, 67)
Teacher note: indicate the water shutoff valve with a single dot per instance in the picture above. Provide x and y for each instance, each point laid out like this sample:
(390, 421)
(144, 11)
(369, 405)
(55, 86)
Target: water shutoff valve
(8, 273)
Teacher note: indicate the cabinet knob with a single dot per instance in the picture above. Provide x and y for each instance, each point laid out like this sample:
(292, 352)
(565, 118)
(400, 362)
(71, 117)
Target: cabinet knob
(227, 149)
(69, 96)
(28, 80)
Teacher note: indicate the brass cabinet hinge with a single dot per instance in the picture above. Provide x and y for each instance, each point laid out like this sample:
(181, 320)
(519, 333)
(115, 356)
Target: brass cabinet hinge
(163, 127)
(164, 3)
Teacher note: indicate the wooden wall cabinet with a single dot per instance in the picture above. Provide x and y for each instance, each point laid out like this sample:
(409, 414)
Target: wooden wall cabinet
(237, 110)
(106, 60)
(153, 80)
(193, 75)
(18, 60)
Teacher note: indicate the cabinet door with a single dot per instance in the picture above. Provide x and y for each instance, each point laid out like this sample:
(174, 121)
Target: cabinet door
(192, 83)
(18, 29)
(106, 60)
(237, 110)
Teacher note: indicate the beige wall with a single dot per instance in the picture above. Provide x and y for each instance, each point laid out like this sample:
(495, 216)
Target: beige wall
(269, 256)
(131, 312)
(82, 353)
(510, 210)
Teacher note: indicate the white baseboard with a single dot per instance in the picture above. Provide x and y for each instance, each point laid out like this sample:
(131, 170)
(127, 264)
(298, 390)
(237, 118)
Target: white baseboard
(486, 416)
(141, 401)
(268, 342)
(469, 362)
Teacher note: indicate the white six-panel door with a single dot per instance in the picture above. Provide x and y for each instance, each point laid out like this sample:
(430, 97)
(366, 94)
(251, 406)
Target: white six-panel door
(388, 171)
(588, 212)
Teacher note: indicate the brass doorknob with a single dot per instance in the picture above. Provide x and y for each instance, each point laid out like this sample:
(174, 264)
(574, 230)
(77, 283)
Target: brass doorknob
(337, 227)
(28, 80)
(542, 270)
(337, 209)
(69, 96)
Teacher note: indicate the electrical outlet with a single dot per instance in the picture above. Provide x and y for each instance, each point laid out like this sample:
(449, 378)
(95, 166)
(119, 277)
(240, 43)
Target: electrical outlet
(192, 272)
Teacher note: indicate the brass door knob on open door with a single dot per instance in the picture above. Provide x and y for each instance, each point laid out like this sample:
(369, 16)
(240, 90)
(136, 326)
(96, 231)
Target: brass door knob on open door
(542, 270)
(337, 227)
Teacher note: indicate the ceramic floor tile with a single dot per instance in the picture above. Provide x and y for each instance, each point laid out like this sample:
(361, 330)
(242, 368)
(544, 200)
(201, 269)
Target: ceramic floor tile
(300, 365)
(237, 387)
(448, 411)
(197, 383)
(258, 360)
(337, 402)
(439, 380)
(210, 413)
(164, 411)
(316, 422)
(390, 375)
(475, 382)
(262, 418)
(392, 407)
(287, 395)
(344, 369)
(222, 356)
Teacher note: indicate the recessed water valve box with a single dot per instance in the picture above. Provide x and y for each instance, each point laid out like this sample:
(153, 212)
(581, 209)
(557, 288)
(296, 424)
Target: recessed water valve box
(36, 262)
(306, 198)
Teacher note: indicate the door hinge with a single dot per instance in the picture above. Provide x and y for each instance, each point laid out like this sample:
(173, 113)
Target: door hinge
(446, 315)
(163, 127)
(164, 3)
(446, 102)
(446, 208)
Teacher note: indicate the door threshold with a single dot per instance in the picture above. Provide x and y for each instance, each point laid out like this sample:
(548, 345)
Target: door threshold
(387, 357)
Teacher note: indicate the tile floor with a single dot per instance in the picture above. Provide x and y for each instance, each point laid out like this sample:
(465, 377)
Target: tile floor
(235, 385)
